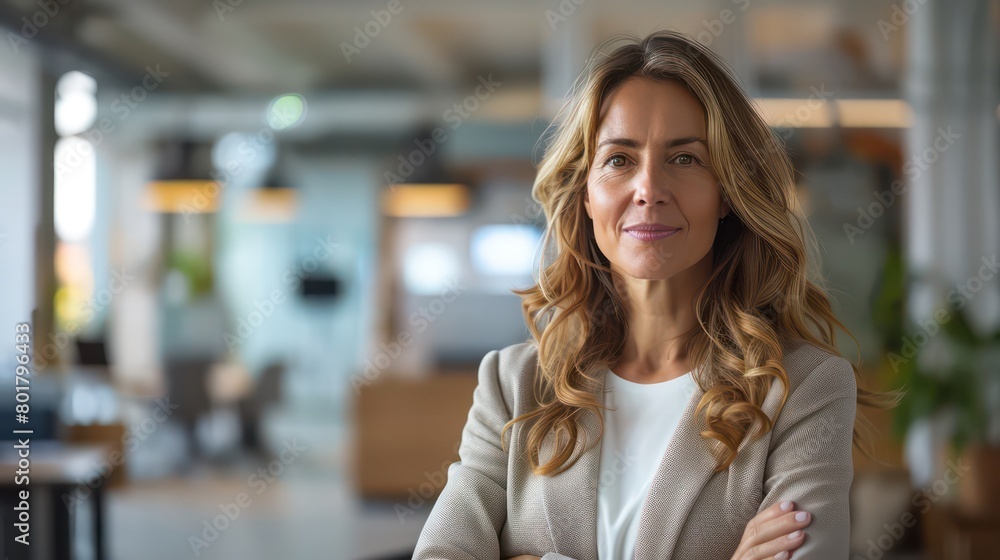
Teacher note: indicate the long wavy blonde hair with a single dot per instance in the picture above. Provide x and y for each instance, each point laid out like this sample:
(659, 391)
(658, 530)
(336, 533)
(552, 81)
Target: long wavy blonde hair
(757, 298)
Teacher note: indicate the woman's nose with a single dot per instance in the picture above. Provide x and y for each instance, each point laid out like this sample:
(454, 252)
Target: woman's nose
(650, 187)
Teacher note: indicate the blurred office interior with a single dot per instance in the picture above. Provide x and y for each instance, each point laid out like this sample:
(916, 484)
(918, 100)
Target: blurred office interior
(263, 246)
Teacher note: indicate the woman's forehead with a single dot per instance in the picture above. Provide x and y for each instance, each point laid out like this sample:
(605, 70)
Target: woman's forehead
(642, 108)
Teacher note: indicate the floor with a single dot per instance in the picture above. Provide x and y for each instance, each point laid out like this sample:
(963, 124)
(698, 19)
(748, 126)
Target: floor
(223, 507)
(299, 515)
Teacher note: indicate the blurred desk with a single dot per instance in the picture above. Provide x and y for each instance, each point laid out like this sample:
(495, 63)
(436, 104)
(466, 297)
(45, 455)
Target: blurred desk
(56, 470)
(408, 432)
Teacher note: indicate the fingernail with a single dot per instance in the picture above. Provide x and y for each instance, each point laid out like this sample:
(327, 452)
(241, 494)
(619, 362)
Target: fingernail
(786, 505)
(794, 535)
(781, 555)
(801, 516)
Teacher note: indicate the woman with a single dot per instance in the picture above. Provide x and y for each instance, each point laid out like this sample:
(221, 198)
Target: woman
(681, 396)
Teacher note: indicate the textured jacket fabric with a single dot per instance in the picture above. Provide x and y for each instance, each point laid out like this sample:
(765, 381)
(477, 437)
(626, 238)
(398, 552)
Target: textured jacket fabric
(493, 506)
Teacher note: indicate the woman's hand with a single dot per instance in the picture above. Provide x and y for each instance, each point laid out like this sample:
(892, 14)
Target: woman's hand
(773, 533)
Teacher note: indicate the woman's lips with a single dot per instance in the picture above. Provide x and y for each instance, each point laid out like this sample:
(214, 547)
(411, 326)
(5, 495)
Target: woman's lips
(650, 235)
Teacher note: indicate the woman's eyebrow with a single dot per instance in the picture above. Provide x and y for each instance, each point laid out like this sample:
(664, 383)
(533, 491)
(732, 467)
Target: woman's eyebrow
(630, 143)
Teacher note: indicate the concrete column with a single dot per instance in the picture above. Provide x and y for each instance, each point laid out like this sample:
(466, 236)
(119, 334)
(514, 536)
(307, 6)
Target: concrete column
(953, 202)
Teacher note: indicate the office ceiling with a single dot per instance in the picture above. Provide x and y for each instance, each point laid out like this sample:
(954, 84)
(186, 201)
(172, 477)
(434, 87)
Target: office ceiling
(269, 46)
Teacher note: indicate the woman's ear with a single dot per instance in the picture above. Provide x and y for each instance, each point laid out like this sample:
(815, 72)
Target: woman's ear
(586, 203)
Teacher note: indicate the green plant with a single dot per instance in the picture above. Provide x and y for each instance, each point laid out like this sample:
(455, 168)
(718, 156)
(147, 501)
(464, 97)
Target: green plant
(964, 365)
(196, 268)
(888, 300)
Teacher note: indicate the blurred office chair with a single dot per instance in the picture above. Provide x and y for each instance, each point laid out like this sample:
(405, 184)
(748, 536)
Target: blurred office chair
(187, 388)
(266, 392)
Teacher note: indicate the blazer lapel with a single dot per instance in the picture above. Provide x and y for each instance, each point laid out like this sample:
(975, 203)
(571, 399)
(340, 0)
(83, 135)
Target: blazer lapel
(570, 498)
(685, 468)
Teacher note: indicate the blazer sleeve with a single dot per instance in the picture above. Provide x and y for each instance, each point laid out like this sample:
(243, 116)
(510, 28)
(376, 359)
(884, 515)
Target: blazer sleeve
(472, 508)
(810, 460)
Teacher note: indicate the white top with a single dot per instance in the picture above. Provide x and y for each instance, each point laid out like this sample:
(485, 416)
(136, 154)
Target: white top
(638, 425)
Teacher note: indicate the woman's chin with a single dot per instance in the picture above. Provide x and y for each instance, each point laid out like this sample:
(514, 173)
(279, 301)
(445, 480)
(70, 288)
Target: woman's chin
(650, 272)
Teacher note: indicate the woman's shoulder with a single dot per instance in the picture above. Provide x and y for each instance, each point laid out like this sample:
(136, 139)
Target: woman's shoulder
(821, 398)
(519, 355)
(815, 370)
(512, 369)
(516, 363)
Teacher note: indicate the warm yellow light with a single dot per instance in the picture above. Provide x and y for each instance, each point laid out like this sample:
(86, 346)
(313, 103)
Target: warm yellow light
(183, 197)
(425, 200)
(874, 113)
(268, 205)
(794, 113)
(76, 285)
(72, 264)
(849, 113)
(73, 307)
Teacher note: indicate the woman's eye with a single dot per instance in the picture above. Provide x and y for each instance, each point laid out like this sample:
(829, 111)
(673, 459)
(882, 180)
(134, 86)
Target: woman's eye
(615, 158)
(689, 159)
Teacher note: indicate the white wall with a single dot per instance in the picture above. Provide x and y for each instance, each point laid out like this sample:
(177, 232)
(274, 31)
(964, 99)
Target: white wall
(19, 138)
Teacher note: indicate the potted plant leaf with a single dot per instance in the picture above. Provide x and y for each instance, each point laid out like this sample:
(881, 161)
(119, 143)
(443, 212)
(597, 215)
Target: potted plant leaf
(951, 371)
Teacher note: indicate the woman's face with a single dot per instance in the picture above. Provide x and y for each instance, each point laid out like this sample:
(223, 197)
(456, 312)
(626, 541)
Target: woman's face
(651, 167)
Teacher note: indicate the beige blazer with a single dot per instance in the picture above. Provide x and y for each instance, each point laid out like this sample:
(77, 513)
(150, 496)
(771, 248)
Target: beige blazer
(492, 506)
